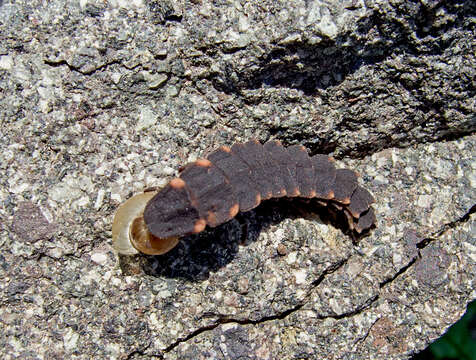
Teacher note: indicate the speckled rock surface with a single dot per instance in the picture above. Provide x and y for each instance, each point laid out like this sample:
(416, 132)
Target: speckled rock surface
(99, 100)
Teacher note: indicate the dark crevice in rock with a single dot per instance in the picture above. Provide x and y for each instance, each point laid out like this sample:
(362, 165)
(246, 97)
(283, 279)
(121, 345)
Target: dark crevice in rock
(363, 150)
(398, 273)
(426, 241)
(93, 70)
(356, 311)
(226, 319)
(58, 63)
(163, 11)
(367, 333)
(190, 336)
(451, 225)
(308, 67)
(142, 354)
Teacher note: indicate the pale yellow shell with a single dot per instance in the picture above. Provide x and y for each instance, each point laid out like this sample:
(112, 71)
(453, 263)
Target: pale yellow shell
(130, 233)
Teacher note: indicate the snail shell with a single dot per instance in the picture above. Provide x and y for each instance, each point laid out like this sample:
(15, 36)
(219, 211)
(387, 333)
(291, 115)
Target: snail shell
(130, 234)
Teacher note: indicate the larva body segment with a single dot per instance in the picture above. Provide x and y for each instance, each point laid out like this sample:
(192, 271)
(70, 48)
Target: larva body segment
(324, 175)
(252, 153)
(304, 171)
(212, 191)
(238, 174)
(285, 166)
(360, 201)
(365, 221)
(345, 184)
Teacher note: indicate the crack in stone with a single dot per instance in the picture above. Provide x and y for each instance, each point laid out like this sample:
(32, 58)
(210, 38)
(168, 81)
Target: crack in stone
(75, 68)
(142, 353)
(399, 272)
(420, 245)
(225, 319)
(356, 311)
(426, 241)
(366, 335)
(451, 225)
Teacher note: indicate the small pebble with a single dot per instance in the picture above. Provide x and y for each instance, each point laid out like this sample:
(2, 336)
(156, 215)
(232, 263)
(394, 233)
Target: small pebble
(282, 250)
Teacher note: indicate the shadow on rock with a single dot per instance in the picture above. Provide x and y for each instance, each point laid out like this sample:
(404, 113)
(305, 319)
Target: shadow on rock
(197, 255)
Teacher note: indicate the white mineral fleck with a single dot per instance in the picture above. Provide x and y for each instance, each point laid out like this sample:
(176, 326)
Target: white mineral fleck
(291, 258)
(218, 295)
(154, 320)
(171, 91)
(147, 118)
(243, 23)
(62, 193)
(81, 202)
(424, 201)
(314, 12)
(99, 199)
(167, 170)
(99, 258)
(327, 26)
(300, 276)
(470, 250)
(397, 259)
(18, 189)
(163, 294)
(70, 339)
(116, 77)
(114, 349)
(115, 281)
(156, 80)
(45, 92)
(335, 306)
(6, 62)
(116, 197)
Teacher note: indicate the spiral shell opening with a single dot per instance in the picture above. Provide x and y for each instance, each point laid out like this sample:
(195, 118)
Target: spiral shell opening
(129, 231)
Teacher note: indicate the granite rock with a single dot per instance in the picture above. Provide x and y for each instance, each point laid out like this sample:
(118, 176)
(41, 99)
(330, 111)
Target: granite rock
(100, 100)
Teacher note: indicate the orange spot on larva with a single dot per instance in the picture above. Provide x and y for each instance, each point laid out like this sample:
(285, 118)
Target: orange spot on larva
(199, 225)
(177, 183)
(234, 210)
(225, 148)
(203, 162)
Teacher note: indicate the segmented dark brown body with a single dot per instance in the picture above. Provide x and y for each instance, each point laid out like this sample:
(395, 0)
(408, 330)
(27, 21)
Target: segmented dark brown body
(212, 191)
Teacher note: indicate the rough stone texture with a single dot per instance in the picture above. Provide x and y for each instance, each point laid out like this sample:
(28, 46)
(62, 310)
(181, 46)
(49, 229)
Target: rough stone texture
(99, 100)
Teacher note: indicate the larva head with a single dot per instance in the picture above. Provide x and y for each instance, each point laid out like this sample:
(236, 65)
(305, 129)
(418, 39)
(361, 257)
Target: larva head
(171, 212)
(130, 234)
